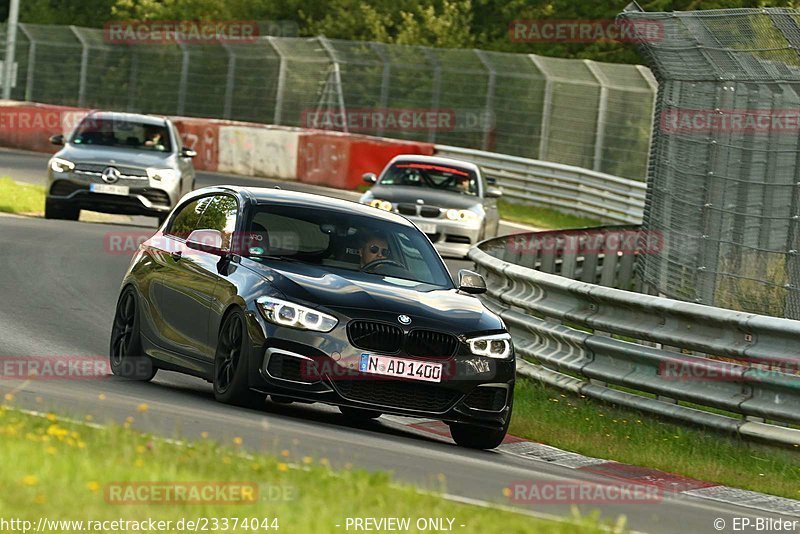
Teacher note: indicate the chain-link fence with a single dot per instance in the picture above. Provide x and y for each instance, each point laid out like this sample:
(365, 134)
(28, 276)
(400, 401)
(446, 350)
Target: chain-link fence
(723, 184)
(583, 113)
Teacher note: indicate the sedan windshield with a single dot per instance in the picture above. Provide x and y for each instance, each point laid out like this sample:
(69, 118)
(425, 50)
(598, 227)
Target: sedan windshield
(335, 240)
(122, 133)
(441, 177)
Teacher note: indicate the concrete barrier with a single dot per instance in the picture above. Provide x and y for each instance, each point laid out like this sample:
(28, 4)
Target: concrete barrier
(258, 151)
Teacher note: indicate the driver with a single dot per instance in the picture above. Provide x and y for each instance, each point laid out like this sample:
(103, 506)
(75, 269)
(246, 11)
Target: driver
(374, 247)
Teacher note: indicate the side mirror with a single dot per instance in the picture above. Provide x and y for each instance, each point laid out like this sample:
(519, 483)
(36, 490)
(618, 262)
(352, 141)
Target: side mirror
(471, 282)
(493, 192)
(57, 140)
(188, 153)
(369, 177)
(206, 240)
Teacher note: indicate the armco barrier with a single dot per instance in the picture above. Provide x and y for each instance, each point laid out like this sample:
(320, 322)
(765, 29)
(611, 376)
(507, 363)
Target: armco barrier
(583, 337)
(563, 187)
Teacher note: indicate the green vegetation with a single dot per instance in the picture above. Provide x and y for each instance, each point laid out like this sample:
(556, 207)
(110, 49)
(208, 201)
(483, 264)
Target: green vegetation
(590, 427)
(545, 218)
(445, 23)
(68, 471)
(21, 198)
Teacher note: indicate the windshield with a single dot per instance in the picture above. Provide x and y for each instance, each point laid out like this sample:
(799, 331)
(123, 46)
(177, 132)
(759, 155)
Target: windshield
(442, 177)
(336, 240)
(122, 133)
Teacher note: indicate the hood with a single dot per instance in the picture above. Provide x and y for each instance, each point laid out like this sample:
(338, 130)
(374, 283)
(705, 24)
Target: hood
(105, 155)
(431, 197)
(369, 297)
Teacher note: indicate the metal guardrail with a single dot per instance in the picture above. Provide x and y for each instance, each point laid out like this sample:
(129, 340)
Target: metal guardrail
(563, 187)
(641, 351)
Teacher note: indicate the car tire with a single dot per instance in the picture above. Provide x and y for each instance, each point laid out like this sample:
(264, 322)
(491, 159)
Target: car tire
(359, 414)
(126, 357)
(57, 210)
(230, 380)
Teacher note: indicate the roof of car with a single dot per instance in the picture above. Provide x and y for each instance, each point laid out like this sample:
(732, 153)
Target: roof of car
(262, 195)
(436, 160)
(130, 117)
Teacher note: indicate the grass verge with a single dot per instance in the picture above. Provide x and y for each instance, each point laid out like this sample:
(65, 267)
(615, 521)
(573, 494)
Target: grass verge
(65, 471)
(545, 218)
(21, 198)
(590, 427)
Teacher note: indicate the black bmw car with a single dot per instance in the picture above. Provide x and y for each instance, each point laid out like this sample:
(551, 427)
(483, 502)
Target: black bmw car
(307, 298)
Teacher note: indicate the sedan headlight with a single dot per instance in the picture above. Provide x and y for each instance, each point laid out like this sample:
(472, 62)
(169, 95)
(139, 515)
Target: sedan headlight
(496, 346)
(294, 315)
(164, 175)
(462, 215)
(381, 204)
(61, 165)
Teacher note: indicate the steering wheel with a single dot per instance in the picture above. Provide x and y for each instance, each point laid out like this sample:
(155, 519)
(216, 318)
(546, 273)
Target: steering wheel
(378, 263)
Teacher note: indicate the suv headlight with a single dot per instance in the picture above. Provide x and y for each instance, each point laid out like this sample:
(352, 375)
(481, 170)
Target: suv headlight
(164, 175)
(495, 346)
(294, 315)
(61, 165)
(462, 215)
(381, 204)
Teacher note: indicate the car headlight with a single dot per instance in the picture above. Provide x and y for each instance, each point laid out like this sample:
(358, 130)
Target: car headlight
(164, 175)
(61, 165)
(381, 204)
(496, 346)
(462, 215)
(294, 315)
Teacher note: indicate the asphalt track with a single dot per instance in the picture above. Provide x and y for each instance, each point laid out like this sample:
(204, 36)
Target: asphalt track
(58, 288)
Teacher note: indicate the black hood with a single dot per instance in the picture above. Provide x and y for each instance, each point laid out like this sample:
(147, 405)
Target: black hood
(368, 296)
(431, 197)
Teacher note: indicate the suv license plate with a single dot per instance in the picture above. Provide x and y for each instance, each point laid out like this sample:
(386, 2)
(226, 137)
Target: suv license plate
(109, 189)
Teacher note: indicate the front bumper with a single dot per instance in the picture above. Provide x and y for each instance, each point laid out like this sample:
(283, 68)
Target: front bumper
(146, 197)
(451, 238)
(475, 390)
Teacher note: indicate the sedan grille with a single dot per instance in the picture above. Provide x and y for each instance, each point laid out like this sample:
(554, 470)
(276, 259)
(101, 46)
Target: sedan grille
(380, 337)
(430, 211)
(428, 343)
(399, 394)
(98, 168)
(407, 209)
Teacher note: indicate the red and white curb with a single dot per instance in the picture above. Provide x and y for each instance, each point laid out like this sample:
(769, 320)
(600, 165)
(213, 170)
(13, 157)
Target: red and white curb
(668, 483)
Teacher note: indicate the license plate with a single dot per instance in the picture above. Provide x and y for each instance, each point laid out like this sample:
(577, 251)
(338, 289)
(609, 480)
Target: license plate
(109, 189)
(400, 368)
(427, 228)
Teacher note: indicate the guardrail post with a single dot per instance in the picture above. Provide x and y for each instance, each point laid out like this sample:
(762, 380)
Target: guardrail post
(436, 90)
(84, 67)
(229, 82)
(490, 88)
(184, 80)
(281, 81)
(31, 63)
(337, 77)
(383, 101)
(547, 108)
(602, 111)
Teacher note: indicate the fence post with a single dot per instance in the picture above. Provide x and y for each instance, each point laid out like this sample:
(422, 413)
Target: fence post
(31, 63)
(602, 112)
(84, 67)
(337, 76)
(385, 81)
(231, 80)
(281, 81)
(547, 108)
(437, 88)
(488, 114)
(184, 81)
(133, 76)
